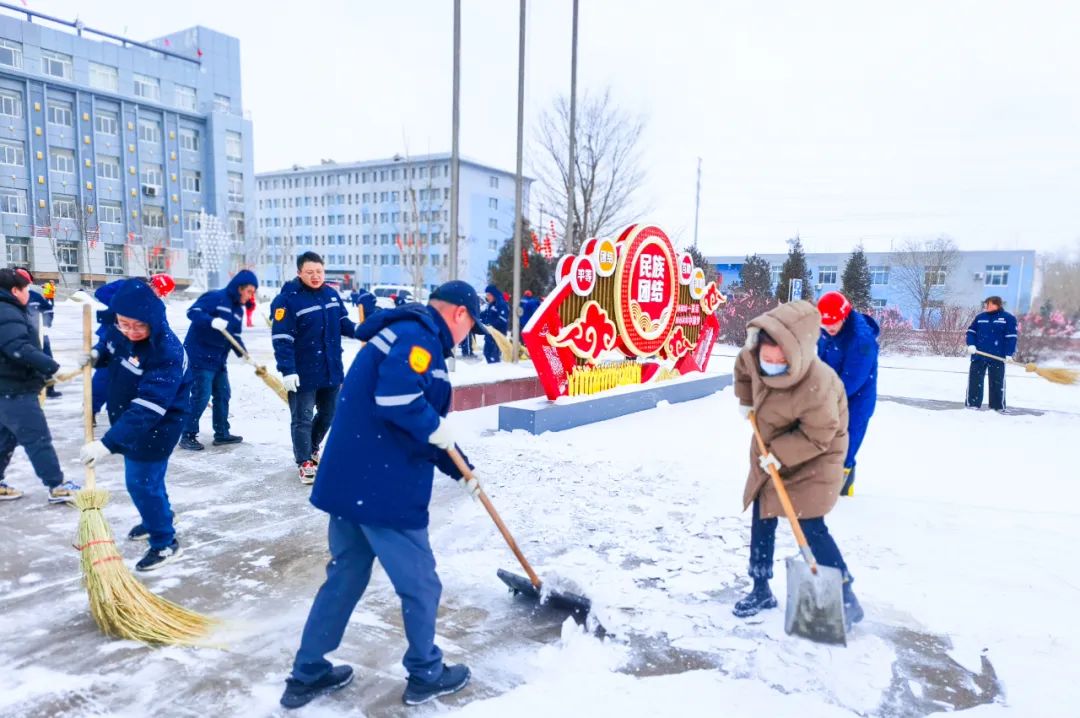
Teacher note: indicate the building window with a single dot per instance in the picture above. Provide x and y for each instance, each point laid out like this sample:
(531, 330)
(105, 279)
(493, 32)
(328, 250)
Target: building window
(67, 256)
(189, 139)
(236, 224)
(493, 223)
(56, 64)
(234, 149)
(147, 87)
(222, 103)
(104, 77)
(879, 276)
(108, 167)
(493, 203)
(878, 304)
(827, 274)
(12, 201)
(10, 53)
(493, 244)
(61, 160)
(110, 213)
(153, 217)
(192, 181)
(192, 222)
(152, 178)
(156, 263)
(114, 259)
(934, 276)
(12, 153)
(997, 275)
(185, 97)
(60, 113)
(774, 273)
(63, 206)
(11, 103)
(493, 182)
(106, 123)
(149, 130)
(18, 251)
(236, 187)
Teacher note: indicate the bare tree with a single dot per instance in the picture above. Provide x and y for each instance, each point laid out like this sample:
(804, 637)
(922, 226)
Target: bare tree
(921, 270)
(608, 163)
(422, 206)
(1061, 282)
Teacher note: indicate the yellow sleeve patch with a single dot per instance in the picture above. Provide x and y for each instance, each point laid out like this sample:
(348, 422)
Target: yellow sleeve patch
(279, 313)
(419, 359)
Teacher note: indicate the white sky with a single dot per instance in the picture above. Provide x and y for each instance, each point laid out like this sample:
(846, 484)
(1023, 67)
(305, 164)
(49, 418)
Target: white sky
(840, 120)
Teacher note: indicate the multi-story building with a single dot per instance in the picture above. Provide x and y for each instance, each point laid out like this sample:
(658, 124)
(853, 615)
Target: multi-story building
(976, 275)
(114, 153)
(383, 221)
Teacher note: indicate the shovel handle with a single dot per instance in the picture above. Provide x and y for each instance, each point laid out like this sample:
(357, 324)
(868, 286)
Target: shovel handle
(466, 472)
(785, 500)
(87, 390)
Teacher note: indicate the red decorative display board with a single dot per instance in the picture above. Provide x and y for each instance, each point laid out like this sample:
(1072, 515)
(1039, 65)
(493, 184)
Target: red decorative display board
(632, 298)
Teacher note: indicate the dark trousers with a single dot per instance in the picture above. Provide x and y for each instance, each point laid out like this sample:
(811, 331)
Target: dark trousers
(763, 541)
(491, 350)
(312, 412)
(405, 555)
(466, 346)
(146, 484)
(22, 423)
(206, 383)
(979, 367)
(99, 387)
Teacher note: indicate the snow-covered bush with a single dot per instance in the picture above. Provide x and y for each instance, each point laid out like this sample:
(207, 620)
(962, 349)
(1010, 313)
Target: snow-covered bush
(896, 331)
(739, 310)
(946, 331)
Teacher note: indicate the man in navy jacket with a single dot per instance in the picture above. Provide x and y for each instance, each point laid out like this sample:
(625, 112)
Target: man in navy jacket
(497, 316)
(375, 482)
(309, 321)
(993, 332)
(148, 397)
(221, 310)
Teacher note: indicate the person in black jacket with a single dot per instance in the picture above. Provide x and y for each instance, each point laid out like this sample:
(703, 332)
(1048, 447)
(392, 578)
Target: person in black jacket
(40, 309)
(24, 367)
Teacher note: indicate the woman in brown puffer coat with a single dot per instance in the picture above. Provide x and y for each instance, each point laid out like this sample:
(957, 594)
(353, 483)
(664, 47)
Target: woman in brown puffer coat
(802, 412)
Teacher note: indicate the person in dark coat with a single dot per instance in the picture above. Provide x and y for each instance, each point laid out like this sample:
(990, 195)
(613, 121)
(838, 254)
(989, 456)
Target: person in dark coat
(40, 309)
(24, 367)
(309, 322)
(375, 484)
(149, 396)
(497, 316)
(993, 332)
(849, 345)
(365, 304)
(529, 305)
(208, 350)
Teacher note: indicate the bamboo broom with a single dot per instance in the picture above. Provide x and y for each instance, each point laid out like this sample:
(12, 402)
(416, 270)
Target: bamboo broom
(1058, 375)
(121, 606)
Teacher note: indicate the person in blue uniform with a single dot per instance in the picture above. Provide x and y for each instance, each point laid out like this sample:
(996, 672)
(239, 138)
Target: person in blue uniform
(992, 332)
(497, 316)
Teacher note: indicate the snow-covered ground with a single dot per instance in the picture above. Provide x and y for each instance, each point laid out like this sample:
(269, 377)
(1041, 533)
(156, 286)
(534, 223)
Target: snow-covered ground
(961, 539)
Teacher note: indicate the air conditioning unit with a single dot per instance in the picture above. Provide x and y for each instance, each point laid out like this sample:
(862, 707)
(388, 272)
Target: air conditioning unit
(149, 190)
(979, 276)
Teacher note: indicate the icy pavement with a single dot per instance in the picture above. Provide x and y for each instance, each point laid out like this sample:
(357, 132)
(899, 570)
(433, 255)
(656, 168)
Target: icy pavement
(960, 538)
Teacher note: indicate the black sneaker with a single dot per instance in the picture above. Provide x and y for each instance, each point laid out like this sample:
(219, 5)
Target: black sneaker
(227, 439)
(156, 558)
(138, 533)
(452, 680)
(755, 602)
(191, 442)
(300, 694)
(51, 393)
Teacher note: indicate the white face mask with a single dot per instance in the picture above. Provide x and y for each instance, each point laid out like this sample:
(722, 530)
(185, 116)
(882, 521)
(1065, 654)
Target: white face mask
(771, 369)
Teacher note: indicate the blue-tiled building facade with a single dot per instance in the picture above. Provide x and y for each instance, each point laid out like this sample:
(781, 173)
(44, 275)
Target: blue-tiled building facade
(112, 151)
(977, 275)
(384, 221)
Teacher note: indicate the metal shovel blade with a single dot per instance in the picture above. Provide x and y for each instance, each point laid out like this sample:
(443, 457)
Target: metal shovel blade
(578, 606)
(815, 603)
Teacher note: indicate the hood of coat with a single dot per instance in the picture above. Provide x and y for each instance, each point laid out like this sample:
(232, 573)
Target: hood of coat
(796, 327)
(494, 291)
(136, 300)
(242, 278)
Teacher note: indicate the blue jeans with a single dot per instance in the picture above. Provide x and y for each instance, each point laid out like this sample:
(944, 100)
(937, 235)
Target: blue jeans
(312, 412)
(206, 383)
(146, 485)
(763, 541)
(405, 555)
(22, 423)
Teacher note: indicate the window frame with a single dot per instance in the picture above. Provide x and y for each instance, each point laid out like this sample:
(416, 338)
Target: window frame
(186, 92)
(59, 106)
(68, 157)
(151, 212)
(232, 137)
(144, 176)
(16, 99)
(16, 49)
(149, 130)
(998, 272)
(60, 201)
(16, 147)
(877, 270)
(65, 250)
(7, 194)
(113, 251)
(105, 212)
(21, 257)
(191, 133)
(48, 57)
(195, 176)
(107, 161)
(100, 70)
(138, 80)
(828, 270)
(103, 117)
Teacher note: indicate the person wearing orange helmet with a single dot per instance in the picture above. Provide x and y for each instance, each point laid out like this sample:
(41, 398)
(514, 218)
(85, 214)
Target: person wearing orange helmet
(849, 345)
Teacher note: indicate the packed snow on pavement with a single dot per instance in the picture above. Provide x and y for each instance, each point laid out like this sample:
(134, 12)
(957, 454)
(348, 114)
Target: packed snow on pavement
(960, 538)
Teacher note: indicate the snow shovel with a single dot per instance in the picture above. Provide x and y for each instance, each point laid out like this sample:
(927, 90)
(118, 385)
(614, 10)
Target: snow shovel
(530, 587)
(261, 371)
(815, 597)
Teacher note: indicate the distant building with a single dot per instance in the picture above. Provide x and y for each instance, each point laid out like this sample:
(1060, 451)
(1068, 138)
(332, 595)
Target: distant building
(113, 151)
(978, 274)
(383, 221)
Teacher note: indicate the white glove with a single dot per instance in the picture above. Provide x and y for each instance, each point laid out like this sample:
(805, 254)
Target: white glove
(443, 436)
(219, 324)
(971, 349)
(769, 460)
(291, 382)
(744, 411)
(88, 357)
(91, 453)
(470, 487)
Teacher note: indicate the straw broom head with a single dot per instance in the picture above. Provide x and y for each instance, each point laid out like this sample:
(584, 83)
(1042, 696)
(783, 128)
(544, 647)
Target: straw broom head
(1058, 375)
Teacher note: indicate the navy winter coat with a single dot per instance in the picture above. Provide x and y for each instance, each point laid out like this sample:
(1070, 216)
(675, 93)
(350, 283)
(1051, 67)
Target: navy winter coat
(149, 381)
(23, 365)
(497, 313)
(365, 299)
(40, 306)
(529, 305)
(307, 330)
(993, 333)
(105, 317)
(853, 355)
(378, 466)
(206, 347)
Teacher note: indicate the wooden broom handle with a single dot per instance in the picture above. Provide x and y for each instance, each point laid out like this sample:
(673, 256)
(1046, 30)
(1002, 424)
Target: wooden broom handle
(87, 389)
(785, 500)
(459, 462)
(236, 345)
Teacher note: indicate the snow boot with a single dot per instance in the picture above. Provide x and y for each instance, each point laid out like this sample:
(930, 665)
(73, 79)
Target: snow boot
(307, 473)
(191, 442)
(300, 694)
(9, 493)
(52, 393)
(138, 533)
(64, 493)
(156, 558)
(227, 439)
(452, 680)
(853, 612)
(758, 600)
